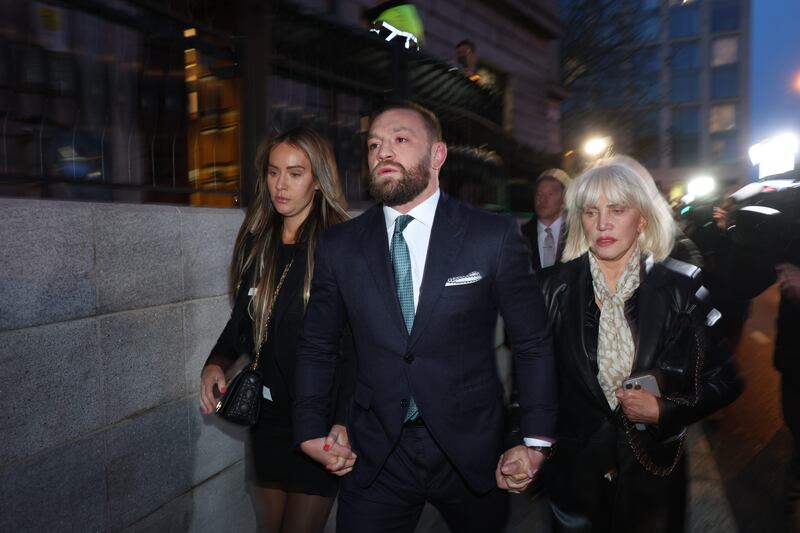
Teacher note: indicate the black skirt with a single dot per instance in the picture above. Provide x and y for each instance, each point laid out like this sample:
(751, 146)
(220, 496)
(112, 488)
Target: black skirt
(278, 464)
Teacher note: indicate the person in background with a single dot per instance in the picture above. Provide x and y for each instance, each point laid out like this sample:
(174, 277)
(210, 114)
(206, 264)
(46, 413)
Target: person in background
(297, 196)
(467, 59)
(547, 229)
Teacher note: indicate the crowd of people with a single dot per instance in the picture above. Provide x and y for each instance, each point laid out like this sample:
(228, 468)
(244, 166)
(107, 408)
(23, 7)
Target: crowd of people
(377, 335)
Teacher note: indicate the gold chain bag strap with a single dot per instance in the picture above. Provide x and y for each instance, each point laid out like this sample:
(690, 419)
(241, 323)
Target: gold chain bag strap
(632, 433)
(241, 403)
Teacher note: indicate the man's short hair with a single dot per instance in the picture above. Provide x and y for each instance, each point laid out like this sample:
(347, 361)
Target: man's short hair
(466, 42)
(429, 118)
(554, 174)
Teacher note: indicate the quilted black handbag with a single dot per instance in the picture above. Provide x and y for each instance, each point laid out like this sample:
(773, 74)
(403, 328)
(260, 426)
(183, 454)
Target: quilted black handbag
(241, 403)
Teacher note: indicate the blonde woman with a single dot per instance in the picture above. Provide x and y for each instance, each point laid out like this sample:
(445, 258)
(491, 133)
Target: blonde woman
(636, 362)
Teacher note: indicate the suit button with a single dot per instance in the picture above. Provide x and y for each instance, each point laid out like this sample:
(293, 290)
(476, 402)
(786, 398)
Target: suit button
(242, 339)
(409, 359)
(404, 403)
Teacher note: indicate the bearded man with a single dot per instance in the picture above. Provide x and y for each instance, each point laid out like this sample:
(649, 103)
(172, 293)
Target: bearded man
(420, 278)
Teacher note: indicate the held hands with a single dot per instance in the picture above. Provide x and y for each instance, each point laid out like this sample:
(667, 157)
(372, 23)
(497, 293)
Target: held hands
(332, 451)
(517, 468)
(212, 375)
(639, 406)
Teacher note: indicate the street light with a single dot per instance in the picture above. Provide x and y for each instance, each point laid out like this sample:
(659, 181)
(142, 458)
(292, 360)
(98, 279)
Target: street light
(597, 146)
(775, 155)
(700, 186)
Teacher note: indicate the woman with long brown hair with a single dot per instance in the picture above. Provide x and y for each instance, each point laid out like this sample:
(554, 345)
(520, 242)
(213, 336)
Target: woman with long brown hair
(298, 195)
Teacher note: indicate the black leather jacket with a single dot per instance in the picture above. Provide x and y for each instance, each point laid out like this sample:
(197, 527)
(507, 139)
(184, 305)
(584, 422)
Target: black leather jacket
(668, 320)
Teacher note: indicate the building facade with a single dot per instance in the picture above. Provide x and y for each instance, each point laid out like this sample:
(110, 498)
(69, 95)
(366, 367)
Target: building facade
(684, 87)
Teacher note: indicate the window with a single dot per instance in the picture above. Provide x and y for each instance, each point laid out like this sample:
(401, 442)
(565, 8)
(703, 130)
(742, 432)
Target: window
(685, 136)
(650, 28)
(684, 20)
(725, 147)
(724, 15)
(645, 138)
(685, 62)
(722, 118)
(724, 136)
(646, 75)
(725, 82)
(724, 51)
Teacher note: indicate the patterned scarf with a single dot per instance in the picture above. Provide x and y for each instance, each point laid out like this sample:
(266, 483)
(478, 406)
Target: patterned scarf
(615, 347)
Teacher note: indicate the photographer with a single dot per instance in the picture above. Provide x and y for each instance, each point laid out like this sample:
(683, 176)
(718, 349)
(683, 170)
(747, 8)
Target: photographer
(766, 247)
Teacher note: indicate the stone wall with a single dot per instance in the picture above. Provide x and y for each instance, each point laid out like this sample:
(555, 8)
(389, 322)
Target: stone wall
(107, 313)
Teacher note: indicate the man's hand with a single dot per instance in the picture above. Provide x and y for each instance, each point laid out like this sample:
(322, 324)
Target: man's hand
(639, 405)
(332, 451)
(517, 468)
(211, 375)
(789, 280)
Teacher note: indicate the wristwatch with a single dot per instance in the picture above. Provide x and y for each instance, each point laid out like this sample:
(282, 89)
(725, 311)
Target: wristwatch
(547, 451)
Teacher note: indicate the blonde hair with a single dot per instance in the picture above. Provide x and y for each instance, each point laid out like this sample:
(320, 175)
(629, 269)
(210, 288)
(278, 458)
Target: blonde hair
(625, 182)
(260, 235)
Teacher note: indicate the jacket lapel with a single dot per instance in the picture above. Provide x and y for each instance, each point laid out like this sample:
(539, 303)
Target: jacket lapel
(562, 238)
(447, 234)
(577, 314)
(375, 250)
(650, 320)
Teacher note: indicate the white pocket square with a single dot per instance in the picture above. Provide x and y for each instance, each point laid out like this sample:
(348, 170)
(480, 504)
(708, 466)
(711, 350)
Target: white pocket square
(466, 279)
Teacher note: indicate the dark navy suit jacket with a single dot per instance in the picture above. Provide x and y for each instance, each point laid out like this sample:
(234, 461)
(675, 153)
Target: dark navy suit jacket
(447, 362)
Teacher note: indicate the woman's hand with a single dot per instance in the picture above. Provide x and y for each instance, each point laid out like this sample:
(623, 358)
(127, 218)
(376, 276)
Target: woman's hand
(639, 405)
(211, 375)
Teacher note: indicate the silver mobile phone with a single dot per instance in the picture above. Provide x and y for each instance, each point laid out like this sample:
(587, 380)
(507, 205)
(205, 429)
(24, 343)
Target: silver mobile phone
(647, 382)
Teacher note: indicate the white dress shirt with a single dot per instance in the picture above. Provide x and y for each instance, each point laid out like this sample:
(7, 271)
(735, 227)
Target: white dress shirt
(417, 235)
(555, 227)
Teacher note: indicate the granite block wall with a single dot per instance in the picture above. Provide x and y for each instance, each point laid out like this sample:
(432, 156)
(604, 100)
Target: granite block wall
(107, 313)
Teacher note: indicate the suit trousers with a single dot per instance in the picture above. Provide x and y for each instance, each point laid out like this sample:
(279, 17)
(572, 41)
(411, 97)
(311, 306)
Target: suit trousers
(417, 471)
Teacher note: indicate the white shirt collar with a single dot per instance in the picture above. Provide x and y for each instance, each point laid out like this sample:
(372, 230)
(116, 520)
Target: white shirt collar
(556, 225)
(424, 212)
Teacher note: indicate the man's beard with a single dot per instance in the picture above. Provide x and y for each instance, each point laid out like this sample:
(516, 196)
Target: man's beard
(393, 191)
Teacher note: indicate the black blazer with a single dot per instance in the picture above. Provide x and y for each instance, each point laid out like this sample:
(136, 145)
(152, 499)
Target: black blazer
(448, 361)
(530, 231)
(667, 319)
(286, 325)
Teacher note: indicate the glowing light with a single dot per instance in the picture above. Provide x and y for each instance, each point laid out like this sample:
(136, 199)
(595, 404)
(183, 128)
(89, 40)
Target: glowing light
(775, 155)
(701, 186)
(597, 146)
(190, 32)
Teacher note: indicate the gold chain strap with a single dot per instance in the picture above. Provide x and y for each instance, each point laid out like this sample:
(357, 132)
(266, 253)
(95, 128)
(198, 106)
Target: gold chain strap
(633, 439)
(254, 364)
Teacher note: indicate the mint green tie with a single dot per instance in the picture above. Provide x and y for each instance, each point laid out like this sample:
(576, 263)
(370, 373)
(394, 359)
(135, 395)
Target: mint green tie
(401, 266)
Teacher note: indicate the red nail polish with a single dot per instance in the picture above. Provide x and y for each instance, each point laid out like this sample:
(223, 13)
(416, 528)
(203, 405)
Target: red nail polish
(222, 390)
(326, 447)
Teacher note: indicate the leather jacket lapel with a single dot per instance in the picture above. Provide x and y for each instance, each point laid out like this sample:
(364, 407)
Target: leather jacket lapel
(581, 294)
(652, 315)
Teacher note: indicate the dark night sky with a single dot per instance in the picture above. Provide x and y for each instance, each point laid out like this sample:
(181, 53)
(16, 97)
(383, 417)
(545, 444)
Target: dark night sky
(775, 64)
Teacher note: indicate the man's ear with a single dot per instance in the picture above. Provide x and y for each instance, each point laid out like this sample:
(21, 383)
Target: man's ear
(438, 154)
